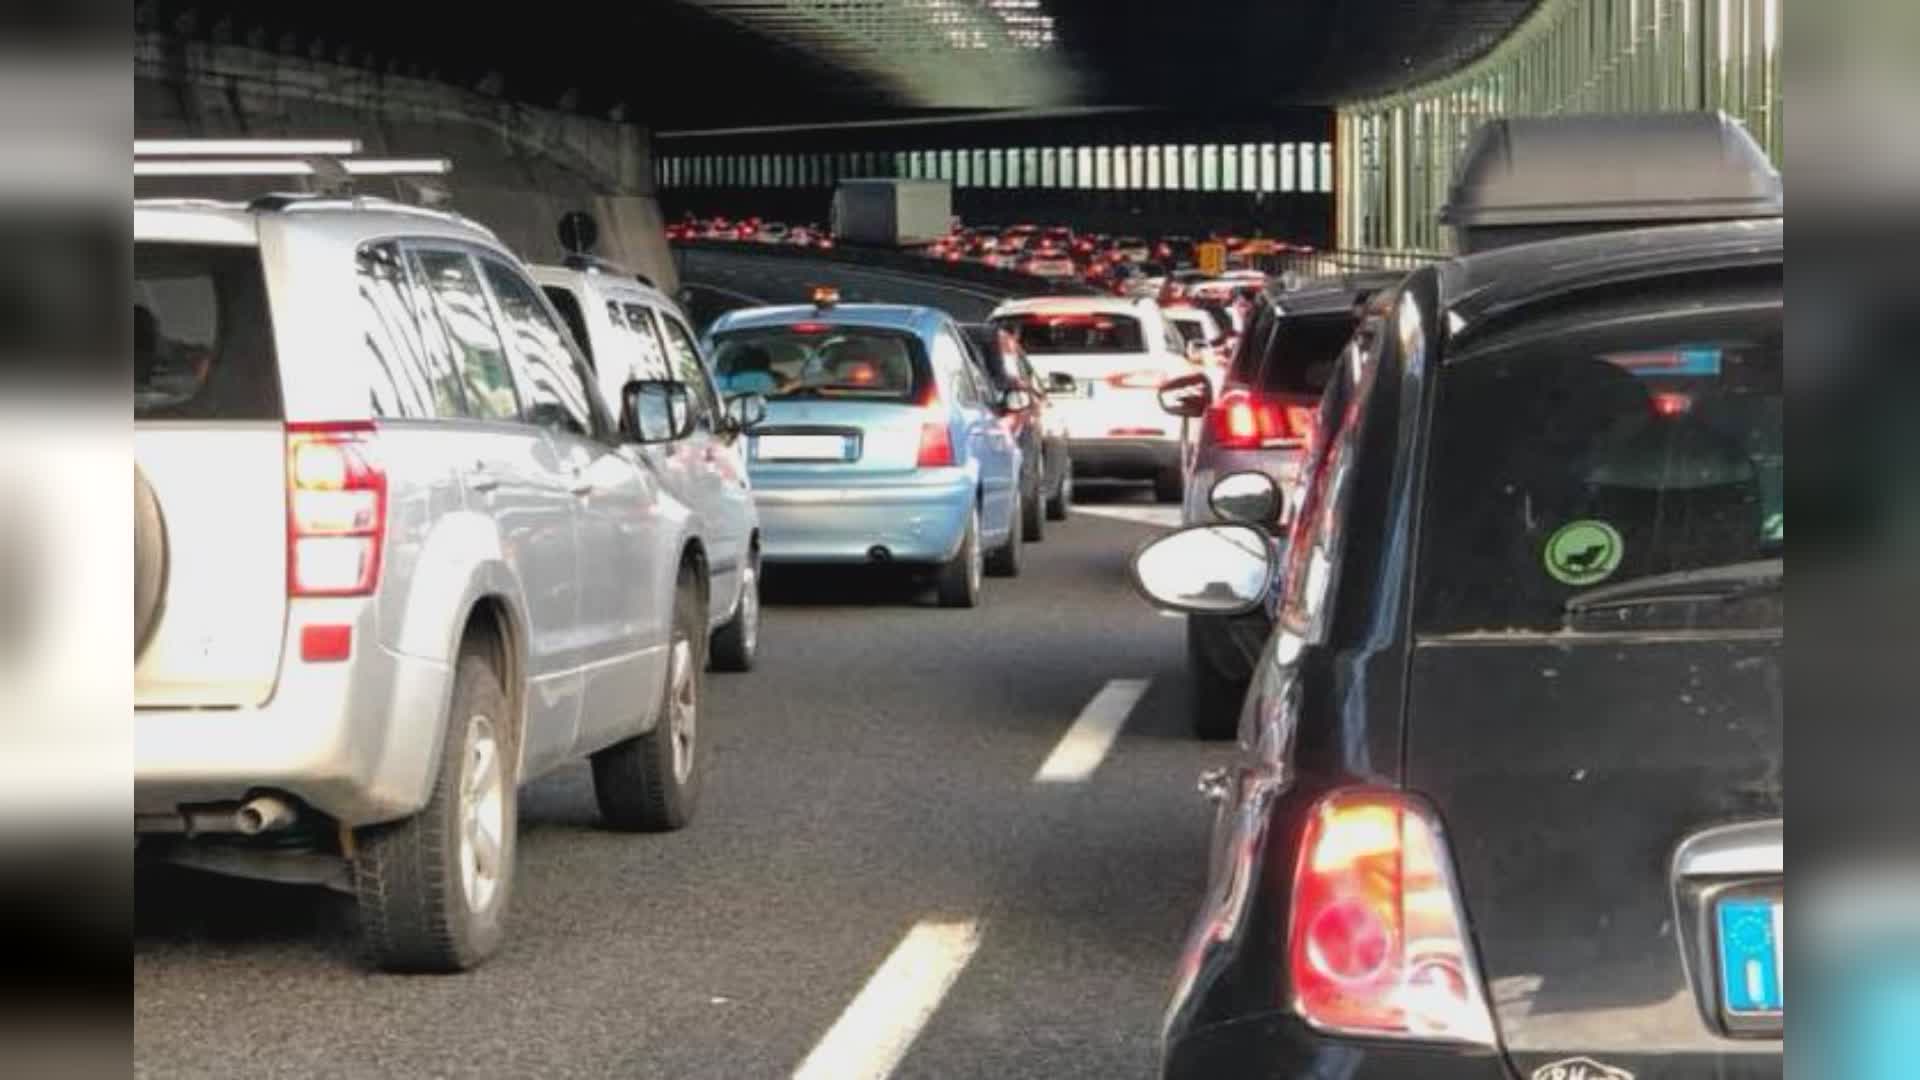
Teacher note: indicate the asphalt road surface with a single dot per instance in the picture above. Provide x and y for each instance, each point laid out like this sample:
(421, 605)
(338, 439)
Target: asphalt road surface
(725, 279)
(916, 849)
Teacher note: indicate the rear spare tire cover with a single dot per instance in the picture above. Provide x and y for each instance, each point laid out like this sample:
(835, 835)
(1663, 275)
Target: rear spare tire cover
(149, 560)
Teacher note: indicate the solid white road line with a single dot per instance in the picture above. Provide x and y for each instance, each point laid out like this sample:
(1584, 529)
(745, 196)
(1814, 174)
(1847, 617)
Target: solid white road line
(879, 1026)
(1086, 743)
(1167, 517)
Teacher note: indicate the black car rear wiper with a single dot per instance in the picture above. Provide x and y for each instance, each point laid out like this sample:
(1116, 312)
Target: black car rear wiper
(1725, 582)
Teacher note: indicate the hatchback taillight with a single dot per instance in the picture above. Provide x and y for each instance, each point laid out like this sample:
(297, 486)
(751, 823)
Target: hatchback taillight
(336, 509)
(1242, 420)
(1377, 942)
(936, 445)
(1137, 380)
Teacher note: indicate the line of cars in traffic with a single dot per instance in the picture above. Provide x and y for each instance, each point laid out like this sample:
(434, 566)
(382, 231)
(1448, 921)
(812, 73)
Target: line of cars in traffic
(1489, 583)
(417, 522)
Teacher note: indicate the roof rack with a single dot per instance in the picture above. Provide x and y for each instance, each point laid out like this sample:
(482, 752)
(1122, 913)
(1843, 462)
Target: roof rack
(327, 166)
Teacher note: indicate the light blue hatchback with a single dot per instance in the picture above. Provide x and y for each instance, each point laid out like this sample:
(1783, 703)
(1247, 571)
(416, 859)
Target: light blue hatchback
(882, 443)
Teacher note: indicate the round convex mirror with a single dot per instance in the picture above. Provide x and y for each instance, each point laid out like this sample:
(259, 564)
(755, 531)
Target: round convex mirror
(1206, 570)
(1249, 497)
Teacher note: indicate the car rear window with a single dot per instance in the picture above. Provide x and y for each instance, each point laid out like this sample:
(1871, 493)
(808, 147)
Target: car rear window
(1300, 353)
(202, 335)
(1606, 455)
(821, 361)
(1068, 334)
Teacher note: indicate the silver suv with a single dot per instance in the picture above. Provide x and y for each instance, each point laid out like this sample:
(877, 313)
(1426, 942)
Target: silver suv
(630, 330)
(393, 559)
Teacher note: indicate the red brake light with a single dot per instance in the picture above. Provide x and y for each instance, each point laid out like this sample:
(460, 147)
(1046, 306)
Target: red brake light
(1375, 943)
(1671, 404)
(336, 509)
(808, 328)
(1243, 421)
(1138, 380)
(936, 445)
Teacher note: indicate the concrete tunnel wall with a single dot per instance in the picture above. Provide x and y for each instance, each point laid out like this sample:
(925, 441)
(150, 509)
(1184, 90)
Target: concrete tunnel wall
(516, 168)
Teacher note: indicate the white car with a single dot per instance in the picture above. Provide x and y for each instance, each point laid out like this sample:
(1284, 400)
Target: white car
(1118, 353)
(1205, 338)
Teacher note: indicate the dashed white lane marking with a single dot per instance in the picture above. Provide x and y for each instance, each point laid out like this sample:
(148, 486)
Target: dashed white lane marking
(880, 1024)
(1163, 516)
(1086, 743)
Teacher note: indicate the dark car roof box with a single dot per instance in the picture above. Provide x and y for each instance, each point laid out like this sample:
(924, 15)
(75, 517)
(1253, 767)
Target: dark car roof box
(1537, 178)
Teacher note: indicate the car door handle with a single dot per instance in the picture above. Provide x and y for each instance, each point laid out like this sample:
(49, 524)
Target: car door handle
(482, 481)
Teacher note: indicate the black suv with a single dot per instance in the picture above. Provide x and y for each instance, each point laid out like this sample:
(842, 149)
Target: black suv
(1510, 793)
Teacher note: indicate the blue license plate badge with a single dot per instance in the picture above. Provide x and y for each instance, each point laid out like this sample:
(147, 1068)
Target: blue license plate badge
(1752, 956)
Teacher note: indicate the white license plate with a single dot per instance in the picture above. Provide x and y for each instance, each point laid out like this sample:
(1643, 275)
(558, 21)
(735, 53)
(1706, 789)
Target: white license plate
(800, 448)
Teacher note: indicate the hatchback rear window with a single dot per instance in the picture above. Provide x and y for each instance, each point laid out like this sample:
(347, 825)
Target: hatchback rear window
(1613, 459)
(202, 336)
(1068, 334)
(821, 361)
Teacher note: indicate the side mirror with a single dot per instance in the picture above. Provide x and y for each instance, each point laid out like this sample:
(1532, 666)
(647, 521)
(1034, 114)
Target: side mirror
(1251, 498)
(746, 411)
(655, 411)
(1189, 395)
(1059, 382)
(1016, 399)
(1207, 570)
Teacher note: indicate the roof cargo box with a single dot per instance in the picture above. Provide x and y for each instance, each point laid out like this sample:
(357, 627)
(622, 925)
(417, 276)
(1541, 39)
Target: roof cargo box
(1536, 178)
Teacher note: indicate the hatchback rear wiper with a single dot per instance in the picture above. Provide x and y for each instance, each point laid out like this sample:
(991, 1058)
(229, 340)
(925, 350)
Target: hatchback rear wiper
(1725, 582)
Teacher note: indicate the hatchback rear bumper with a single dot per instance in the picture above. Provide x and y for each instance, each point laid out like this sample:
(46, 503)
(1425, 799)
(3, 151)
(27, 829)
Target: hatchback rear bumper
(355, 740)
(1281, 1045)
(1135, 459)
(913, 521)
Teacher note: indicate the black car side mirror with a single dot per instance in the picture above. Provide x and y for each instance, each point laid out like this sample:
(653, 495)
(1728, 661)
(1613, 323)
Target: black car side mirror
(1059, 382)
(655, 411)
(1189, 396)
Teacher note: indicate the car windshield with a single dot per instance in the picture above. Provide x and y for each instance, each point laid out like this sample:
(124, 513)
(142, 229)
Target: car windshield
(1299, 354)
(1051, 335)
(817, 360)
(1605, 473)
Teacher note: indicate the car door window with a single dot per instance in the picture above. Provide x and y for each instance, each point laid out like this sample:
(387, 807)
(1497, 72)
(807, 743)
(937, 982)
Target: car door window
(408, 372)
(552, 376)
(653, 352)
(690, 369)
(1319, 529)
(950, 361)
(486, 380)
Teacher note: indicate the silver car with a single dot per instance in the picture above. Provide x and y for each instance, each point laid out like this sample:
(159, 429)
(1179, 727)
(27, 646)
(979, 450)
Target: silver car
(393, 560)
(631, 330)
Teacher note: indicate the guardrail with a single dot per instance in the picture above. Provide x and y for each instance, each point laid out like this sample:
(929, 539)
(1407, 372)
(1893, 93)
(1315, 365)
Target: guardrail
(906, 262)
(1335, 263)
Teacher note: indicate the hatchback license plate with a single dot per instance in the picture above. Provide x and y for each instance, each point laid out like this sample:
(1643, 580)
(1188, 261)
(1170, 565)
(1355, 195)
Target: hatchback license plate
(800, 448)
(1752, 963)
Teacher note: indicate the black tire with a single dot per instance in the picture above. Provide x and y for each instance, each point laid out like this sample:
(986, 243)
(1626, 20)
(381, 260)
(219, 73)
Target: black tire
(958, 582)
(1216, 698)
(417, 912)
(1033, 514)
(1060, 503)
(651, 782)
(736, 645)
(1004, 561)
(149, 561)
(1169, 484)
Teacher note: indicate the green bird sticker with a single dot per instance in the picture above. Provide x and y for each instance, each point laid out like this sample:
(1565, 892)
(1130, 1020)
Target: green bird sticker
(1583, 552)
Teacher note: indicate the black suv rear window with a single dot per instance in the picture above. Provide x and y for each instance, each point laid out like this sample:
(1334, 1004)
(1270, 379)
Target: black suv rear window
(1604, 458)
(202, 337)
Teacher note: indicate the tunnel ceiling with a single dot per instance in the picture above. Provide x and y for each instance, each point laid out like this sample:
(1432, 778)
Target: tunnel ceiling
(692, 64)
